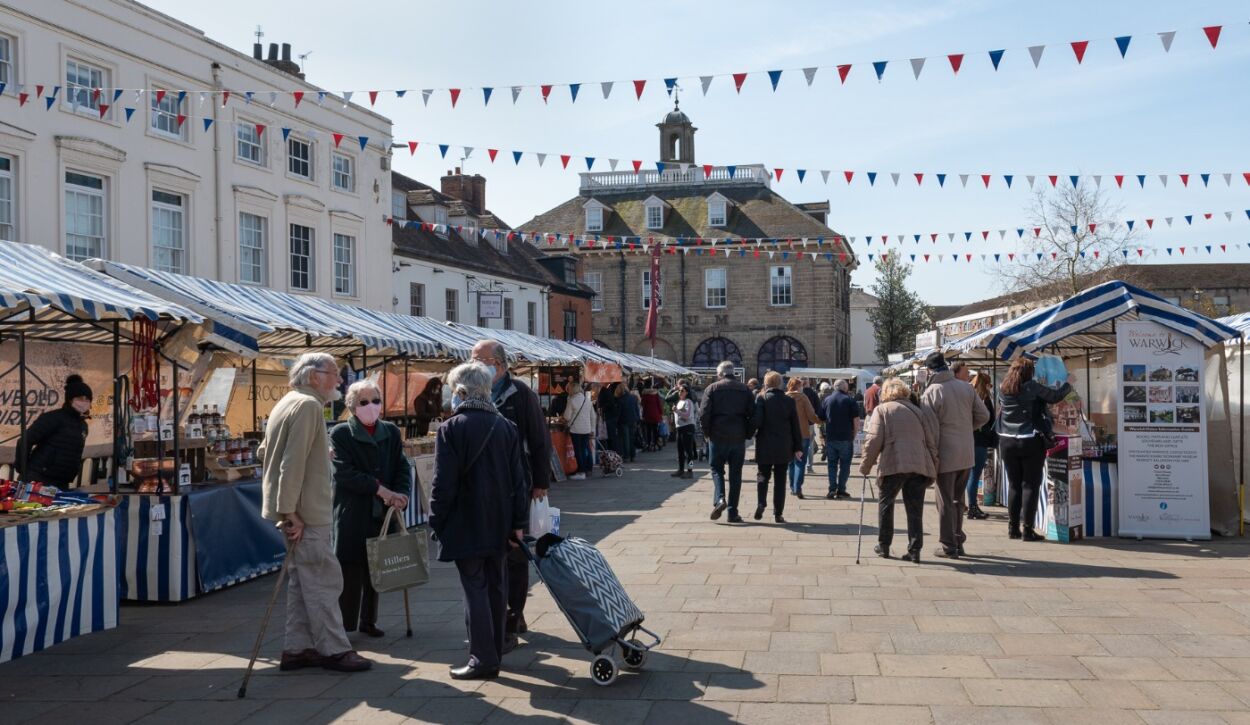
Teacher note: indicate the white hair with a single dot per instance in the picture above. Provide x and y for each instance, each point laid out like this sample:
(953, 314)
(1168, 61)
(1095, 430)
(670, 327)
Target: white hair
(825, 386)
(307, 363)
(471, 380)
(842, 386)
(725, 369)
(356, 390)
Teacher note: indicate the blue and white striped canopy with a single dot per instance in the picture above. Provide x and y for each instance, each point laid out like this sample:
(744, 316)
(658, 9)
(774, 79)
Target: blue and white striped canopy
(634, 363)
(285, 321)
(50, 286)
(1086, 311)
(1240, 323)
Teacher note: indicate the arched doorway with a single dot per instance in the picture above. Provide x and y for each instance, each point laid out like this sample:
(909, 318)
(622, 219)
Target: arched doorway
(781, 353)
(715, 350)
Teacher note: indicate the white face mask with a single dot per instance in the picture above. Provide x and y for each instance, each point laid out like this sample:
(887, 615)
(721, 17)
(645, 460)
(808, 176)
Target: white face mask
(368, 413)
(82, 406)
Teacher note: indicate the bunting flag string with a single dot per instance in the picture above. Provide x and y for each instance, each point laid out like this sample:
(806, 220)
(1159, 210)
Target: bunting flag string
(1210, 37)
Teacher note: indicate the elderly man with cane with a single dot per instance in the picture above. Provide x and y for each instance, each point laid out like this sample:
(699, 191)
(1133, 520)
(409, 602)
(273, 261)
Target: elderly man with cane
(298, 493)
(958, 411)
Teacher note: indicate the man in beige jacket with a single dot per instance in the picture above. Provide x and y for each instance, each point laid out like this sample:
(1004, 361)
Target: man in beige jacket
(959, 412)
(298, 492)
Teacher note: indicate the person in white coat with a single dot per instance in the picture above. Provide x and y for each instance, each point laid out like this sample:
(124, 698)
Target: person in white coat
(579, 413)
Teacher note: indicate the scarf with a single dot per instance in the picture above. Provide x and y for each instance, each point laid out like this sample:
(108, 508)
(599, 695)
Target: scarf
(476, 404)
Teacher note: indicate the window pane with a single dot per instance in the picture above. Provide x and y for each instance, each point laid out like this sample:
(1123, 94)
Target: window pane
(6, 59)
(168, 232)
(594, 280)
(416, 299)
(344, 264)
(531, 325)
(165, 114)
(450, 298)
(7, 226)
(252, 256)
(299, 158)
(301, 257)
(84, 216)
(344, 175)
(248, 143)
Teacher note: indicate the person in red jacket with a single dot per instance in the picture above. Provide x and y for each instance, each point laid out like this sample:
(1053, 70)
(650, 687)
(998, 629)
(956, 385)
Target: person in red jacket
(652, 415)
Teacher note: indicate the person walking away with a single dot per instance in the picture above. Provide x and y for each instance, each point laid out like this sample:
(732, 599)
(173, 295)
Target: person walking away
(371, 473)
(901, 438)
(518, 403)
(814, 401)
(683, 422)
(1022, 404)
(754, 386)
(479, 508)
(872, 395)
(958, 411)
(579, 414)
(652, 414)
(807, 418)
(298, 492)
(825, 391)
(631, 415)
(728, 412)
(610, 412)
(984, 439)
(841, 415)
(778, 444)
(55, 441)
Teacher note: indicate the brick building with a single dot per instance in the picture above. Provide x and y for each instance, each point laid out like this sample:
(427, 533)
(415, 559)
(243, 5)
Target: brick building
(775, 311)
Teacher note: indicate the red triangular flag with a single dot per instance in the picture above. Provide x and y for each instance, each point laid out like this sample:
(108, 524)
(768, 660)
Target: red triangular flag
(1246, 176)
(926, 257)
(38, 90)
(919, 177)
(1182, 251)
(338, 139)
(412, 147)
(160, 96)
(933, 237)
(843, 71)
(104, 108)
(1078, 47)
(778, 173)
(564, 160)
(1037, 231)
(492, 153)
(1092, 227)
(22, 98)
(1053, 179)
(1206, 215)
(985, 235)
(1213, 33)
(546, 91)
(848, 175)
(1223, 248)
(1054, 255)
(455, 96)
(373, 98)
(1185, 179)
(181, 118)
(299, 96)
(637, 166)
(1119, 180)
(1139, 252)
(707, 171)
(1096, 252)
(956, 59)
(225, 97)
(1150, 223)
(1011, 256)
(738, 80)
(986, 179)
(260, 130)
(968, 257)
(638, 86)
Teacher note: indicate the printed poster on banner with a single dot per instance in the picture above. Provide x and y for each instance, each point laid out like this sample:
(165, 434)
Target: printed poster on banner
(1163, 434)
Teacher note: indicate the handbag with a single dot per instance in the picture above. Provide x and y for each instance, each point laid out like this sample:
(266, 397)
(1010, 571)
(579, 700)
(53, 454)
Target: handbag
(397, 562)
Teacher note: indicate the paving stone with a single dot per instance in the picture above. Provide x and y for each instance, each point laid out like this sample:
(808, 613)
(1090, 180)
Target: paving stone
(913, 665)
(1023, 693)
(1116, 694)
(1040, 667)
(692, 713)
(740, 687)
(809, 688)
(782, 713)
(1190, 696)
(861, 714)
(912, 691)
(857, 663)
(1091, 716)
(1196, 668)
(1126, 668)
(782, 663)
(959, 644)
(954, 715)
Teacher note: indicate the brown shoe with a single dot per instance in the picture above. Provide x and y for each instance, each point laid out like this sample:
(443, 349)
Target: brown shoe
(347, 661)
(372, 630)
(299, 660)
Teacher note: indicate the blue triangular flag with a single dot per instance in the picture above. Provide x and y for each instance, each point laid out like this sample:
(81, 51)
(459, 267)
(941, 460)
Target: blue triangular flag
(1189, 219)
(321, 97)
(364, 141)
(669, 84)
(486, 96)
(1130, 223)
(285, 133)
(879, 67)
(573, 89)
(1248, 213)
(1007, 178)
(801, 173)
(828, 256)
(2, 87)
(917, 238)
(182, 96)
(1039, 255)
(913, 257)
(869, 240)
(1075, 180)
(659, 166)
(208, 122)
(995, 257)
(941, 180)
(1208, 249)
(516, 156)
(1141, 179)
(731, 170)
(1169, 251)
(117, 93)
(129, 112)
(967, 236)
(774, 76)
(50, 101)
(590, 162)
(1124, 252)
(400, 93)
(955, 257)
(248, 95)
(1205, 178)
(1019, 233)
(1074, 229)
(996, 57)
(872, 178)
(1082, 255)
(1122, 43)
(442, 149)
(786, 255)
(742, 252)
(870, 258)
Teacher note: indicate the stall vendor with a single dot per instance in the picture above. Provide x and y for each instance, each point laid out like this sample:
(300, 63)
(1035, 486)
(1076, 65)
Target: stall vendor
(54, 442)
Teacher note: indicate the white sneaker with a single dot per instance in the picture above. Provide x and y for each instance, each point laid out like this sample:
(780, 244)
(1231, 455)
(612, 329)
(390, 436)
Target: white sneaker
(578, 477)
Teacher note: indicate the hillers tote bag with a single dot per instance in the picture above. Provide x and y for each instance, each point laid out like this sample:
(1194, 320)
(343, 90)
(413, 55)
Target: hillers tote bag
(398, 562)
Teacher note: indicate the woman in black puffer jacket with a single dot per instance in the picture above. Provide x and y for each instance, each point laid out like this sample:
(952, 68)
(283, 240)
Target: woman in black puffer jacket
(1023, 401)
(55, 441)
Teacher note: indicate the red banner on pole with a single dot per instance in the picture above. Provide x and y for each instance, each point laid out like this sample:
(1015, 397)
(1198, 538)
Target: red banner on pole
(653, 295)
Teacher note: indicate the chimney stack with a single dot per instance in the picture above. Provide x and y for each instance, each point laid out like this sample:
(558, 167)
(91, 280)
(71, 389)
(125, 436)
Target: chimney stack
(469, 189)
(282, 63)
(286, 52)
(258, 51)
(273, 52)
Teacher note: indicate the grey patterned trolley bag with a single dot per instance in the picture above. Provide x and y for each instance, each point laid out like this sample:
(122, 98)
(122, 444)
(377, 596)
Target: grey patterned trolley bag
(596, 605)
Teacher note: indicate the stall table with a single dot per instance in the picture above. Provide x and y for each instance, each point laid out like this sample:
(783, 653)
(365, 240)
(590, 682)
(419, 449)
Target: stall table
(58, 580)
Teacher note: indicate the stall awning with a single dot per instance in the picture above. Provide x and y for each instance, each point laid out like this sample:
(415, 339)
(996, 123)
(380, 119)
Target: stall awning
(1240, 323)
(1089, 314)
(521, 347)
(634, 363)
(283, 321)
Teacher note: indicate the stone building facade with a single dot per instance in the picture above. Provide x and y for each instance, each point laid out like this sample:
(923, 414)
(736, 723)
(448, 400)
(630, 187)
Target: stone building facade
(764, 307)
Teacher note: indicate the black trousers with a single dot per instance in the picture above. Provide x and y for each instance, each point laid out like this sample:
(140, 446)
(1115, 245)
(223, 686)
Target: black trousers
(485, 585)
(777, 472)
(912, 486)
(1025, 460)
(518, 587)
(685, 447)
(359, 600)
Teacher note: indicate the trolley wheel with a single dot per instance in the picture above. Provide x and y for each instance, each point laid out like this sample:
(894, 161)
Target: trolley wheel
(603, 670)
(620, 472)
(634, 655)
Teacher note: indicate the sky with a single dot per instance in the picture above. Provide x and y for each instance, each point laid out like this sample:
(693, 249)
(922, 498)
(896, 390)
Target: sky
(1152, 112)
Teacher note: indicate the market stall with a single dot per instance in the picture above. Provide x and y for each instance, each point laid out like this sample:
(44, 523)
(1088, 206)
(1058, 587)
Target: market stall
(1155, 399)
(1236, 356)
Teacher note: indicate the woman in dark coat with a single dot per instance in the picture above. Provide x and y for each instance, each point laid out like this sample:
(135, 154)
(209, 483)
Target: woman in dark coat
(480, 504)
(631, 415)
(370, 473)
(778, 443)
(54, 442)
(610, 413)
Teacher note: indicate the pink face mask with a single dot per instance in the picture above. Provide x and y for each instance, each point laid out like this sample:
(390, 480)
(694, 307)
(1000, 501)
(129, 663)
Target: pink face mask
(369, 412)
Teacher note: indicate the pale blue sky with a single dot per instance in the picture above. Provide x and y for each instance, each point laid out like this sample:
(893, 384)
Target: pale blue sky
(1184, 111)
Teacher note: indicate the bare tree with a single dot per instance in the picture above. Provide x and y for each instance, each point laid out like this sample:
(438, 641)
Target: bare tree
(1080, 242)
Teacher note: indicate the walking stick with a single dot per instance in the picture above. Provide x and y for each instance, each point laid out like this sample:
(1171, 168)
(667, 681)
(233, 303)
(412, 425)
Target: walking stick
(264, 623)
(863, 489)
(407, 614)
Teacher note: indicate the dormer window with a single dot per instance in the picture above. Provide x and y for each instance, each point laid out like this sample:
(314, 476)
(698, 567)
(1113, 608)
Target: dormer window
(596, 212)
(655, 207)
(717, 210)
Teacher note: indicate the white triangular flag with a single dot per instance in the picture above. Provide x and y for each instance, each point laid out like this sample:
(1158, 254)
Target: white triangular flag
(771, 253)
(203, 98)
(468, 151)
(824, 174)
(1035, 52)
(685, 168)
(900, 238)
(1163, 178)
(894, 175)
(138, 94)
(917, 65)
(612, 164)
(1228, 179)
(1031, 179)
(1002, 233)
(347, 98)
(1168, 220)
(516, 91)
(852, 240)
(950, 236)
(425, 95)
(809, 73)
(726, 252)
(813, 255)
(1228, 215)
(963, 179)
(1098, 180)
(706, 81)
(607, 89)
(1167, 40)
(541, 158)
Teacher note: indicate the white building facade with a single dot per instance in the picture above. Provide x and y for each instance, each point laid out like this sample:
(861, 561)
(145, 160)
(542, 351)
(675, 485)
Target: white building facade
(130, 136)
(863, 339)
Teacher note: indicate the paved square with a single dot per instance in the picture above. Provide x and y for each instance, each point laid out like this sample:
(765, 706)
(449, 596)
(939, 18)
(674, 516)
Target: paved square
(762, 623)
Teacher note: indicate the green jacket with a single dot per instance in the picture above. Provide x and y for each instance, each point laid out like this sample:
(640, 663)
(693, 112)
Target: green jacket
(361, 462)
